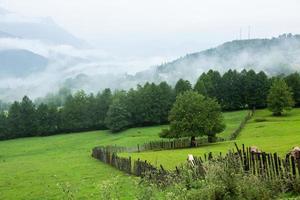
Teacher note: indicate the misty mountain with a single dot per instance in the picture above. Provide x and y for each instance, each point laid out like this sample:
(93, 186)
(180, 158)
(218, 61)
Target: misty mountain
(44, 29)
(274, 56)
(19, 62)
(5, 35)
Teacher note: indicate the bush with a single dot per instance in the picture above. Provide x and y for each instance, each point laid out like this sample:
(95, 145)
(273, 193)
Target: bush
(221, 179)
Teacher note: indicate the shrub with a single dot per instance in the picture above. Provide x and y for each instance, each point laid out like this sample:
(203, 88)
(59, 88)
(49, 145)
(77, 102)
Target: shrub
(222, 178)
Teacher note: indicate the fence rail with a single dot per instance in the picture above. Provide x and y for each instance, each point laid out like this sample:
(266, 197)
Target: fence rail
(266, 165)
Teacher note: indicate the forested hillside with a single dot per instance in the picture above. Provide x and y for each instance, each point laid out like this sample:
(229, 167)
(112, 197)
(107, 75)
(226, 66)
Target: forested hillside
(274, 56)
(143, 105)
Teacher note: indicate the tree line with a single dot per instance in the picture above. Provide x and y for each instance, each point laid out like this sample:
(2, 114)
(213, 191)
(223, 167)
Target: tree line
(145, 105)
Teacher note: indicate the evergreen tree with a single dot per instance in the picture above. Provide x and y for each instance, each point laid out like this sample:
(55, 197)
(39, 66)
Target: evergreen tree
(3, 126)
(75, 115)
(211, 84)
(293, 81)
(13, 120)
(231, 91)
(47, 120)
(182, 86)
(166, 97)
(103, 101)
(118, 116)
(200, 87)
(255, 89)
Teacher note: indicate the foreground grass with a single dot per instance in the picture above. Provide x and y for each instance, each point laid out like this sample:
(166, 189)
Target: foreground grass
(276, 134)
(58, 167)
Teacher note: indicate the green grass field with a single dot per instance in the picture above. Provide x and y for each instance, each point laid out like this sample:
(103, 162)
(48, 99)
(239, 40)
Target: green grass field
(45, 167)
(42, 167)
(276, 134)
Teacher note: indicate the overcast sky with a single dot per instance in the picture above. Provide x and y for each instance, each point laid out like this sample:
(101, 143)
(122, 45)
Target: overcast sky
(164, 28)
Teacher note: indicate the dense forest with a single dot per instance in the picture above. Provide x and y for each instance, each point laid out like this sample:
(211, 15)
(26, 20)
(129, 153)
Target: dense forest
(145, 105)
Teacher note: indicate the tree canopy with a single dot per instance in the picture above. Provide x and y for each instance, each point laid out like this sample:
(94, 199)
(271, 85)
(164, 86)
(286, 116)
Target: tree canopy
(194, 115)
(280, 97)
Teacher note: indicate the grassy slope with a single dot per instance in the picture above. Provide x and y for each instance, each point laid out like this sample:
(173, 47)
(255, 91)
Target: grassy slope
(232, 121)
(276, 134)
(39, 168)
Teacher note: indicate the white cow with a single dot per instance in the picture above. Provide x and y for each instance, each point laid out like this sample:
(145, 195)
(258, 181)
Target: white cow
(191, 160)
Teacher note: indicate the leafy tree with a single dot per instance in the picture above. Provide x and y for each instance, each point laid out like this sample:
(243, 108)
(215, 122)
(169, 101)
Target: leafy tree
(194, 115)
(182, 86)
(118, 116)
(293, 81)
(280, 97)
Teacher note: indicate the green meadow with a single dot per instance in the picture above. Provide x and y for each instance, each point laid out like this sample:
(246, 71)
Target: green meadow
(271, 134)
(61, 167)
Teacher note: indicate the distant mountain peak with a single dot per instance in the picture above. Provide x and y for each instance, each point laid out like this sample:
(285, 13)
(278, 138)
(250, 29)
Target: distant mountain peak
(44, 29)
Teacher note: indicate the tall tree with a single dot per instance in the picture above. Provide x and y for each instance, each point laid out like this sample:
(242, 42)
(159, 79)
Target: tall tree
(182, 86)
(118, 116)
(293, 81)
(255, 88)
(209, 84)
(3, 126)
(28, 119)
(103, 101)
(13, 120)
(166, 97)
(231, 91)
(194, 115)
(47, 120)
(280, 98)
(75, 113)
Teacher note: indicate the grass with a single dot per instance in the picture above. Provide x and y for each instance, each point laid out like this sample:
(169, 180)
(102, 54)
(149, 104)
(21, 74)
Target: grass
(49, 167)
(42, 168)
(232, 121)
(274, 134)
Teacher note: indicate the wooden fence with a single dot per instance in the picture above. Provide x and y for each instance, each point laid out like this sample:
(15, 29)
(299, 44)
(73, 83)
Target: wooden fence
(160, 145)
(269, 165)
(266, 165)
(107, 156)
(172, 144)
